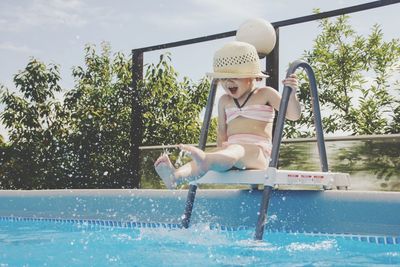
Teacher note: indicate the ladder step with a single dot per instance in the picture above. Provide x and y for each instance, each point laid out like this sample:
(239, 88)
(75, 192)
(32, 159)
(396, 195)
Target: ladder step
(274, 177)
(232, 177)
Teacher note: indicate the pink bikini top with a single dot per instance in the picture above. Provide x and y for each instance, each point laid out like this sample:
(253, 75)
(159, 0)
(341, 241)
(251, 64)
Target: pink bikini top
(256, 112)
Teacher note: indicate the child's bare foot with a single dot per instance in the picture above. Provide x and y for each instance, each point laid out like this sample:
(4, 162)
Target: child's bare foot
(199, 157)
(166, 170)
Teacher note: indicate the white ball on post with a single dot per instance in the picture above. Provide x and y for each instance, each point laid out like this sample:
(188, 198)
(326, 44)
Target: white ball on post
(258, 32)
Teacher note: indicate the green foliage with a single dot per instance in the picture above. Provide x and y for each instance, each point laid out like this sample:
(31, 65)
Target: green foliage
(172, 108)
(35, 128)
(171, 113)
(355, 80)
(83, 141)
(99, 113)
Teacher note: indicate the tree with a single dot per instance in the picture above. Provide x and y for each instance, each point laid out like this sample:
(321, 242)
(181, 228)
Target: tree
(99, 111)
(83, 141)
(354, 76)
(35, 121)
(358, 92)
(172, 107)
(100, 115)
(171, 112)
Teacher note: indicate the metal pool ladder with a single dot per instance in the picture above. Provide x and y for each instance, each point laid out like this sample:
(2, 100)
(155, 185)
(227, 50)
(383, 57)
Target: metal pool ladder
(272, 177)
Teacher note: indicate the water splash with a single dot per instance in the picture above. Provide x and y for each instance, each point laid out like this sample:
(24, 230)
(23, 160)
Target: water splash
(179, 161)
(323, 245)
(197, 234)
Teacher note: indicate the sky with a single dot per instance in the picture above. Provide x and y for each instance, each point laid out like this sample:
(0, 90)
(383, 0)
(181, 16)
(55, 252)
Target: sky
(56, 31)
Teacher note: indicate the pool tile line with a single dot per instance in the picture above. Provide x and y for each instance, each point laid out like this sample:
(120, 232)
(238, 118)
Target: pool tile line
(93, 222)
(383, 240)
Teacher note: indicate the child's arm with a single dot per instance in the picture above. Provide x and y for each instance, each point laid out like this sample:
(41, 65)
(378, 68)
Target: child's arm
(221, 130)
(293, 111)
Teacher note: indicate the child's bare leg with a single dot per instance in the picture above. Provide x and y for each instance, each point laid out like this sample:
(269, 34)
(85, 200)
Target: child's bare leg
(220, 160)
(192, 169)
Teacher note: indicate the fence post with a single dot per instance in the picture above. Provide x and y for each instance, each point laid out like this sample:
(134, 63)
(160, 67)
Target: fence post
(272, 64)
(272, 68)
(136, 130)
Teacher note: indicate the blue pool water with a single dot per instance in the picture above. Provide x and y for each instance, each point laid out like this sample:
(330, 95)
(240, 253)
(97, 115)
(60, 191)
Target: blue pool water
(141, 228)
(44, 243)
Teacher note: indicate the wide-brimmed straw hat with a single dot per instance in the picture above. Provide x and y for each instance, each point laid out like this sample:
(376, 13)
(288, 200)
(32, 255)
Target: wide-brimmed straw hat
(236, 60)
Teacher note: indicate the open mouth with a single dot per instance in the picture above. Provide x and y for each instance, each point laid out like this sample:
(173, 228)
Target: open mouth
(233, 89)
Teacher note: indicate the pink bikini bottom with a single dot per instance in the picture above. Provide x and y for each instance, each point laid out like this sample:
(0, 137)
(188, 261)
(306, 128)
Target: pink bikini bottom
(253, 139)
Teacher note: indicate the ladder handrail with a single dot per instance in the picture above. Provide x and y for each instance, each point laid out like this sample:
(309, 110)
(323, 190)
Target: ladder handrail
(316, 111)
(208, 114)
(202, 145)
(276, 142)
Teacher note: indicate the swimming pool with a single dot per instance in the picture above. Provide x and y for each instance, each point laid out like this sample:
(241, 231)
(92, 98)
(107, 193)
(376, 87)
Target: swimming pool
(141, 228)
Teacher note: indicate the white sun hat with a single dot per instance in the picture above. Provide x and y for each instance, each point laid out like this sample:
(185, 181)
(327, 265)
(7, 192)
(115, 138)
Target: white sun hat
(236, 60)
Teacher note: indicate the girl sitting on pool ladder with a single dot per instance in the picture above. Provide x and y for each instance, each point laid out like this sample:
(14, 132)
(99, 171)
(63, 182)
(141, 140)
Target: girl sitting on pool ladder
(245, 118)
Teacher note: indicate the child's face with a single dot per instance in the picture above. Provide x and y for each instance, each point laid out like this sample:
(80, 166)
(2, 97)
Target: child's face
(237, 87)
